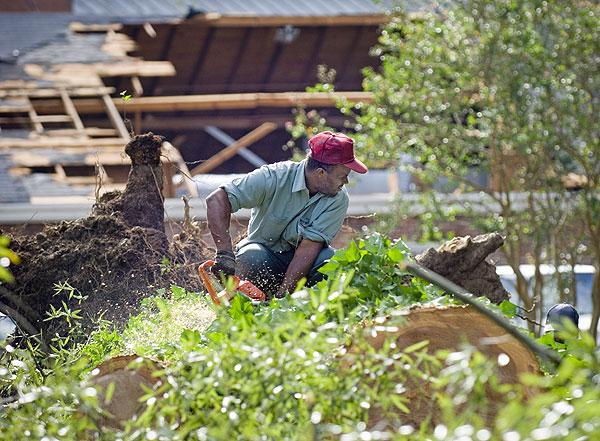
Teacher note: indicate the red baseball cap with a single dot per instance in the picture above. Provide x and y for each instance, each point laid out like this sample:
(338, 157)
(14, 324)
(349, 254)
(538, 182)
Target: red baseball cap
(330, 148)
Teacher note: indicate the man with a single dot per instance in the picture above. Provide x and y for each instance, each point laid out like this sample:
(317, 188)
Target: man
(297, 210)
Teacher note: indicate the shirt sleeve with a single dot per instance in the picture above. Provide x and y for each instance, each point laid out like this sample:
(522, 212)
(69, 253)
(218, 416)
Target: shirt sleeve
(327, 225)
(248, 191)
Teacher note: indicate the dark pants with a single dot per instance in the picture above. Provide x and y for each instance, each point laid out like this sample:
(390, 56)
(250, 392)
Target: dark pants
(266, 268)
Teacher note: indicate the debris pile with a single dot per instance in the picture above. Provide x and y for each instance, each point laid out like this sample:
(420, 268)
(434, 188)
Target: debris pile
(116, 256)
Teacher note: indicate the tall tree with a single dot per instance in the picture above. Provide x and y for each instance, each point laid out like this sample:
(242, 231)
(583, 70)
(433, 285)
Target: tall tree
(511, 88)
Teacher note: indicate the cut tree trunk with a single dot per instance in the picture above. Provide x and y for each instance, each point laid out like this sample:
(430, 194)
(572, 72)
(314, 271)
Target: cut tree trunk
(448, 328)
(129, 374)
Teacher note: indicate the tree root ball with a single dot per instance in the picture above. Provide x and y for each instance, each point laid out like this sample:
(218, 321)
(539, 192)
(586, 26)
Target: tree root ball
(462, 261)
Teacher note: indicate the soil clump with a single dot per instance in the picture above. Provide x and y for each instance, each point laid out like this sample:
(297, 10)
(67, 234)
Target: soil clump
(115, 257)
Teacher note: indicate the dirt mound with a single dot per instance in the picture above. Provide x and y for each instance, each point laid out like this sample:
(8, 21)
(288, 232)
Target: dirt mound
(116, 256)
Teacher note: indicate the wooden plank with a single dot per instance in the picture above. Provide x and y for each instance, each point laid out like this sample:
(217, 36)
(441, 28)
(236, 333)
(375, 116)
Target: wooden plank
(114, 116)
(231, 150)
(82, 28)
(53, 118)
(60, 172)
(138, 68)
(70, 108)
(138, 89)
(35, 119)
(238, 101)
(87, 131)
(176, 103)
(71, 143)
(50, 93)
(66, 157)
(14, 109)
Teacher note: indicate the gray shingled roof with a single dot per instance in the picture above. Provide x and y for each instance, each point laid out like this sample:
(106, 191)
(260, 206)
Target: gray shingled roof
(126, 11)
(155, 10)
(298, 7)
(11, 189)
(22, 32)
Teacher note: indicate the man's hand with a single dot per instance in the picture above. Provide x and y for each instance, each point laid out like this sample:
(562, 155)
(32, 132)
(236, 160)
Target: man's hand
(303, 260)
(224, 263)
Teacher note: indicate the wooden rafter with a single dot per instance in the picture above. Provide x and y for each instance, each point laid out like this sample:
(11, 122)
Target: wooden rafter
(71, 111)
(229, 151)
(34, 117)
(115, 118)
(219, 101)
(51, 142)
(55, 92)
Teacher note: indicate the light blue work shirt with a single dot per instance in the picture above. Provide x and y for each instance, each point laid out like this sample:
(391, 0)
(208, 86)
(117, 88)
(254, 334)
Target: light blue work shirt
(283, 213)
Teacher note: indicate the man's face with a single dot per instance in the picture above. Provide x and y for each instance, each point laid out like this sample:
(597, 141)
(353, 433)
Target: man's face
(331, 183)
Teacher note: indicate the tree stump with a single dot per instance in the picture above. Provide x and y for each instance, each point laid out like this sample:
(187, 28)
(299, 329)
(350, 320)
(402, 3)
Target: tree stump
(447, 328)
(129, 379)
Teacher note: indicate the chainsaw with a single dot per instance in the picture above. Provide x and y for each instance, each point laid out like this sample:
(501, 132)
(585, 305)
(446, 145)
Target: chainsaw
(243, 287)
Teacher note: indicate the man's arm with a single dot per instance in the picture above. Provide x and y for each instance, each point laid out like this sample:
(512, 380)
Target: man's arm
(304, 259)
(218, 215)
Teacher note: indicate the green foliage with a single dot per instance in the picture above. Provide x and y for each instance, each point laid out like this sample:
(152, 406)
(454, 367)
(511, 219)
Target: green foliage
(298, 368)
(125, 97)
(163, 320)
(10, 256)
(377, 282)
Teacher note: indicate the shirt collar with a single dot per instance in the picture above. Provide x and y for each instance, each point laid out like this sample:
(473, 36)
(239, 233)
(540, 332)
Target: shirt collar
(300, 179)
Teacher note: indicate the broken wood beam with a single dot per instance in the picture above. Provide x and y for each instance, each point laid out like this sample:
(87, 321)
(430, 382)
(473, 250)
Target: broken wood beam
(19, 143)
(114, 117)
(213, 102)
(230, 151)
(238, 101)
(51, 93)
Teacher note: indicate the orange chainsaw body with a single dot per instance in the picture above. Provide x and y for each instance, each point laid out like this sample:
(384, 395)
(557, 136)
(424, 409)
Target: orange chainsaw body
(245, 287)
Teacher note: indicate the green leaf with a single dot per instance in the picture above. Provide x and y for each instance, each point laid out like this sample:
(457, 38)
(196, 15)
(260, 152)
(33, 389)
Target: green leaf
(508, 308)
(109, 392)
(416, 346)
(352, 253)
(6, 275)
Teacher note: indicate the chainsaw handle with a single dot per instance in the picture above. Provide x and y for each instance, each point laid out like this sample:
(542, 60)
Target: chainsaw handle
(206, 279)
(246, 288)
